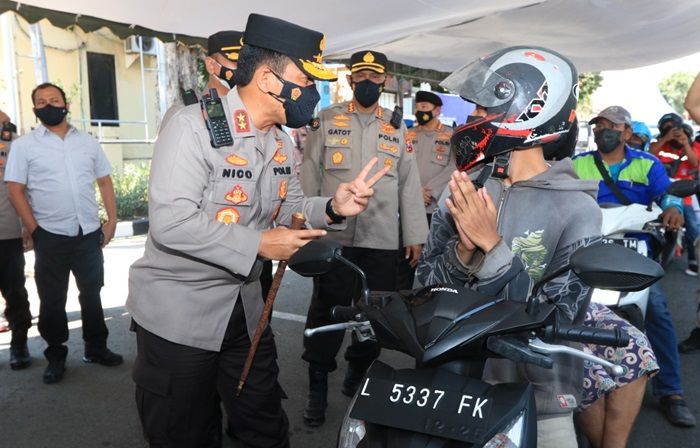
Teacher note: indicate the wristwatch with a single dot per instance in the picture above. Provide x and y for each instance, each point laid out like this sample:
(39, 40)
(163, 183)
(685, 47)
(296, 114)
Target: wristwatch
(335, 218)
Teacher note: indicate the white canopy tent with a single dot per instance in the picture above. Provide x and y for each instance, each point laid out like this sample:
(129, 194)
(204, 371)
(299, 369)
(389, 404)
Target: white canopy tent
(435, 34)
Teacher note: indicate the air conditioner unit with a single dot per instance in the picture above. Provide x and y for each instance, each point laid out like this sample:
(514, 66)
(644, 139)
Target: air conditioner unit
(131, 45)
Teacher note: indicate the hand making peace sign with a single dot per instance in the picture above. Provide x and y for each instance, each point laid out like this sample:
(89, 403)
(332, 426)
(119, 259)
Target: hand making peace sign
(351, 198)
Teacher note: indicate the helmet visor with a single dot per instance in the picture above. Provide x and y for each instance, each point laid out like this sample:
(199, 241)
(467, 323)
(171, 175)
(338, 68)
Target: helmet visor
(478, 83)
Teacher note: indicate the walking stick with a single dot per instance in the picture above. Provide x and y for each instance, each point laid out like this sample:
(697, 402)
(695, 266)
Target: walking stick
(298, 222)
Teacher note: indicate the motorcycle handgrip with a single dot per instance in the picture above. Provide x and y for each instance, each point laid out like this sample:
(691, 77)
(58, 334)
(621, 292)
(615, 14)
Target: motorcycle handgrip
(341, 313)
(587, 335)
(516, 350)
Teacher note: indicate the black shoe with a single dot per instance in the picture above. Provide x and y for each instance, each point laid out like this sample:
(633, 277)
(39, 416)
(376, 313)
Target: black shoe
(54, 371)
(676, 411)
(353, 378)
(19, 357)
(103, 356)
(692, 343)
(315, 407)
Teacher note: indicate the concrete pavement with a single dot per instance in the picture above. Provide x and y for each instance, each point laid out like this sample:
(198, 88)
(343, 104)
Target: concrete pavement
(94, 405)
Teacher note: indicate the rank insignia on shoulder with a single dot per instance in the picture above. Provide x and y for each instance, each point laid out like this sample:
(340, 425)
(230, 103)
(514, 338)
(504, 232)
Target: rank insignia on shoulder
(242, 121)
(315, 123)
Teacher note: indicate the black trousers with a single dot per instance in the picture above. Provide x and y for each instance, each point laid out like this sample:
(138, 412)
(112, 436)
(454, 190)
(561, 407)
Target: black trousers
(178, 390)
(56, 257)
(12, 288)
(342, 286)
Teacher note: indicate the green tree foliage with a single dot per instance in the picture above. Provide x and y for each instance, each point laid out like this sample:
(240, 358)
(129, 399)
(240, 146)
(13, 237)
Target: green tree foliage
(588, 83)
(675, 88)
(131, 190)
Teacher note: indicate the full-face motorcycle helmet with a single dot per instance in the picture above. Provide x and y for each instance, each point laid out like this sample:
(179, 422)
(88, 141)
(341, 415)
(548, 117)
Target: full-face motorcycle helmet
(529, 95)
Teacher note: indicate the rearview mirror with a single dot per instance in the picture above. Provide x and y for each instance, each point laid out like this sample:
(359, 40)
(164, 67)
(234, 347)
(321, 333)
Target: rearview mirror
(315, 258)
(611, 266)
(683, 188)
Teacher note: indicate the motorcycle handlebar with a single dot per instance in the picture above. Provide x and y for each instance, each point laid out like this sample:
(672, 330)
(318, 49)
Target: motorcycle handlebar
(341, 313)
(587, 335)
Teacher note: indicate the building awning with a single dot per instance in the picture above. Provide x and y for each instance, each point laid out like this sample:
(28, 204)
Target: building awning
(430, 34)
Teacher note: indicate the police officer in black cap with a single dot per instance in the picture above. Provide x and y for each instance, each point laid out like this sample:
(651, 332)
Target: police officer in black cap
(194, 296)
(221, 61)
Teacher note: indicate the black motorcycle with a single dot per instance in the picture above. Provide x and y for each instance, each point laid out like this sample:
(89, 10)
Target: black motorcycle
(451, 331)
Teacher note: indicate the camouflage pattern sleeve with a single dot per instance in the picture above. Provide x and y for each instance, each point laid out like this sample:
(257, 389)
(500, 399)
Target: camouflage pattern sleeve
(438, 262)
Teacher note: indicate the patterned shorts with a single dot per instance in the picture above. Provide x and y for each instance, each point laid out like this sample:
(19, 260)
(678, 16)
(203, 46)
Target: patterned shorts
(637, 358)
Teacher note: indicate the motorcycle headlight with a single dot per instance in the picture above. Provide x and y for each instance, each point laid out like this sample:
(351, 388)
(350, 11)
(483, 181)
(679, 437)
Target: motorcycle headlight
(352, 431)
(511, 436)
(605, 297)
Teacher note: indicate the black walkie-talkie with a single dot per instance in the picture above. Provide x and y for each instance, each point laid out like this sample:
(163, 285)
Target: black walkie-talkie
(215, 118)
(396, 117)
(7, 130)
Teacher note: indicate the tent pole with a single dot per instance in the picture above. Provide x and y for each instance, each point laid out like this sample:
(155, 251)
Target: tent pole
(143, 88)
(8, 49)
(40, 69)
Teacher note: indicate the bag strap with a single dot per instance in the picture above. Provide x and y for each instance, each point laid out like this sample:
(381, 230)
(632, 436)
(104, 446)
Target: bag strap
(624, 200)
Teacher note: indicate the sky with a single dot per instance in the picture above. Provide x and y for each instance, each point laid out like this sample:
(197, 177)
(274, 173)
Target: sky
(637, 89)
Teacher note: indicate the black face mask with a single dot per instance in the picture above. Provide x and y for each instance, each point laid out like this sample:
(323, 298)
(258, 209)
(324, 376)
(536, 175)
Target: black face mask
(424, 117)
(607, 140)
(367, 92)
(51, 115)
(639, 146)
(227, 75)
(298, 102)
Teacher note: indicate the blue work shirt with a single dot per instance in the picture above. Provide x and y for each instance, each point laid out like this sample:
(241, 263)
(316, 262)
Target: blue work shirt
(59, 176)
(640, 176)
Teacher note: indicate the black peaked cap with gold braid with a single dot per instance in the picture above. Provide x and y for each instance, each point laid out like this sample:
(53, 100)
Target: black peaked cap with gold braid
(368, 60)
(303, 46)
(228, 43)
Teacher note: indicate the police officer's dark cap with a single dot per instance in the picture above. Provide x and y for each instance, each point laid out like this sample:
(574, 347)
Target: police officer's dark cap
(303, 46)
(368, 60)
(228, 43)
(423, 96)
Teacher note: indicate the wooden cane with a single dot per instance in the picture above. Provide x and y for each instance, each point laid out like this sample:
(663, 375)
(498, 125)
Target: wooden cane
(298, 222)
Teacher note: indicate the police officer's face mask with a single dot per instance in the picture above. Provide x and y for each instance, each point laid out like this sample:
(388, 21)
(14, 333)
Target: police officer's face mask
(51, 115)
(299, 102)
(227, 75)
(367, 92)
(424, 118)
(607, 140)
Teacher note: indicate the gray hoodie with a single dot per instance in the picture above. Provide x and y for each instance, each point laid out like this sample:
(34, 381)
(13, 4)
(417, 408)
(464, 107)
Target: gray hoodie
(542, 221)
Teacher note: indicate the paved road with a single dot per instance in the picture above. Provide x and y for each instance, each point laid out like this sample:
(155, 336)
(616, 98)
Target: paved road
(94, 407)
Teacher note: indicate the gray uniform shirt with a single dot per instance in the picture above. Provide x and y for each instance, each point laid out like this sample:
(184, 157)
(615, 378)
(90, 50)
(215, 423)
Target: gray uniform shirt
(340, 148)
(435, 159)
(10, 227)
(207, 208)
(59, 175)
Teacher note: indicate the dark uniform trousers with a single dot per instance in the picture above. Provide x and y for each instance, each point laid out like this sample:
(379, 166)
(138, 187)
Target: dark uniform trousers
(178, 390)
(56, 256)
(12, 288)
(342, 286)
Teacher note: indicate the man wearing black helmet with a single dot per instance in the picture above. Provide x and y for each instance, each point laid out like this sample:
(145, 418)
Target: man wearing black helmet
(678, 152)
(502, 238)
(194, 296)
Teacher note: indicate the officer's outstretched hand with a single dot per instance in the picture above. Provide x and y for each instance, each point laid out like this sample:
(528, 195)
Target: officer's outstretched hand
(280, 243)
(351, 198)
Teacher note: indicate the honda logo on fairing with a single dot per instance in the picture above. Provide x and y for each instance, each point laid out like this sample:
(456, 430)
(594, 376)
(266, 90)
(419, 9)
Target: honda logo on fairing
(444, 289)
